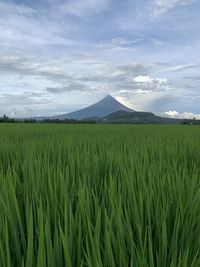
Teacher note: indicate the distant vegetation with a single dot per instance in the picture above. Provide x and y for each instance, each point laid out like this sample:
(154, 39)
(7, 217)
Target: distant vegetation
(99, 195)
(116, 117)
(6, 119)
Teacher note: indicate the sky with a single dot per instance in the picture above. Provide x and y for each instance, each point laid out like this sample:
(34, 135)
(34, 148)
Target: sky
(57, 56)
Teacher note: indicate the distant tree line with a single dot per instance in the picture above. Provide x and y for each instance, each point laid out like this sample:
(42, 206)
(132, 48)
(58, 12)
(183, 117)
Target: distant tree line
(191, 121)
(6, 119)
(66, 121)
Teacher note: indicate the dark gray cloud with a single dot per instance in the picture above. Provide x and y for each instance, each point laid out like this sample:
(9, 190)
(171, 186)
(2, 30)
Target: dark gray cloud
(134, 68)
(17, 65)
(113, 73)
(193, 77)
(67, 88)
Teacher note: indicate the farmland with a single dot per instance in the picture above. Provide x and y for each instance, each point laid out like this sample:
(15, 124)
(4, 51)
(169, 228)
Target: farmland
(99, 195)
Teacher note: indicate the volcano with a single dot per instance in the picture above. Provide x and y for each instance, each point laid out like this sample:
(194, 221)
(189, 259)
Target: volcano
(100, 109)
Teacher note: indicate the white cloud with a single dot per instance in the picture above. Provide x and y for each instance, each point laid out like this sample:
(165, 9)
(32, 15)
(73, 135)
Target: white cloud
(143, 79)
(172, 113)
(150, 80)
(184, 115)
(163, 6)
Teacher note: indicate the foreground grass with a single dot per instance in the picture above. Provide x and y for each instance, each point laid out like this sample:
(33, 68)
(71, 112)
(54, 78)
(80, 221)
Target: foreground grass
(99, 196)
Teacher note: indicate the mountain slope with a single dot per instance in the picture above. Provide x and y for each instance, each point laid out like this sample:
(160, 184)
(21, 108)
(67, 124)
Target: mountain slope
(137, 117)
(100, 109)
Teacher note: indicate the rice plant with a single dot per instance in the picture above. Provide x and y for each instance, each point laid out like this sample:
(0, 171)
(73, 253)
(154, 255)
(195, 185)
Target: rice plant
(99, 195)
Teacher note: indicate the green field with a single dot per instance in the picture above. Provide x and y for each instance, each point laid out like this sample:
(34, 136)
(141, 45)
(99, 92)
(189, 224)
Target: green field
(99, 195)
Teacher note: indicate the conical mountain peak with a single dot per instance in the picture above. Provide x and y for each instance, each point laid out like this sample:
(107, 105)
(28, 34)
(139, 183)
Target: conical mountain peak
(108, 97)
(104, 107)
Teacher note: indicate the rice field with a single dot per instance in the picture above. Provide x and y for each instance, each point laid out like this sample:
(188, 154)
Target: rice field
(99, 195)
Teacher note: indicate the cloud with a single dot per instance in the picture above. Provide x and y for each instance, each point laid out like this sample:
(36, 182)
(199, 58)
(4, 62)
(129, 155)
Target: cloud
(31, 104)
(17, 9)
(148, 79)
(17, 65)
(180, 67)
(132, 77)
(80, 8)
(151, 100)
(25, 98)
(68, 88)
(136, 68)
(73, 52)
(88, 77)
(147, 83)
(23, 104)
(184, 115)
(163, 6)
(194, 77)
(121, 41)
(172, 113)
(25, 28)
(109, 72)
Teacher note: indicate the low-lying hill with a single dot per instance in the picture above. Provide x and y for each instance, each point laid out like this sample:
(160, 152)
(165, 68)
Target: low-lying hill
(137, 117)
